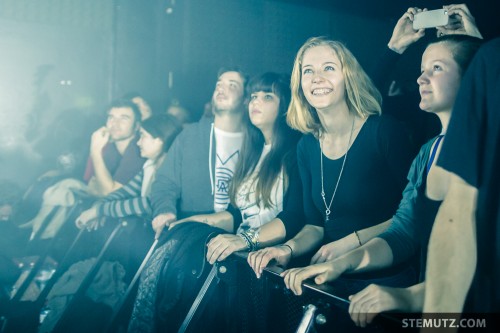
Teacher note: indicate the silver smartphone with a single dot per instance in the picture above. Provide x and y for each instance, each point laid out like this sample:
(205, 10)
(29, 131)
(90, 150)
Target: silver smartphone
(430, 19)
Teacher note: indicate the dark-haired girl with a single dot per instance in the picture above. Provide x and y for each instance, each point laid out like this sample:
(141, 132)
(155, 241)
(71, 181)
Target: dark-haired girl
(265, 191)
(266, 208)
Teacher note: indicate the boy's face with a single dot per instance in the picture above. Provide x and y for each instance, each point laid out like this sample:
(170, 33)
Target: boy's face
(121, 123)
(228, 94)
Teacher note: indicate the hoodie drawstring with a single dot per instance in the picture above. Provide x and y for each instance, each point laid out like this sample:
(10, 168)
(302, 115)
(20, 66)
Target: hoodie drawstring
(210, 158)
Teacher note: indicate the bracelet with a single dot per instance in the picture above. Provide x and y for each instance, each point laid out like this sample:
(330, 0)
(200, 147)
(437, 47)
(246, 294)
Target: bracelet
(291, 251)
(247, 241)
(252, 235)
(357, 236)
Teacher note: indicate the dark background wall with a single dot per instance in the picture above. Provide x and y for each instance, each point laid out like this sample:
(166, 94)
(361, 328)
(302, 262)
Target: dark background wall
(62, 61)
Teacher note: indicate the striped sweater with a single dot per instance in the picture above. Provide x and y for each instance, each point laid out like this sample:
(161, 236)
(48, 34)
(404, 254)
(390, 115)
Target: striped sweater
(126, 201)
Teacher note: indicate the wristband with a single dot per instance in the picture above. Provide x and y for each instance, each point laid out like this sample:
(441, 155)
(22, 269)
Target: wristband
(357, 236)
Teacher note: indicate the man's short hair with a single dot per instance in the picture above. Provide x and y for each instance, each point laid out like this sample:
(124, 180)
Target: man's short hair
(238, 70)
(125, 103)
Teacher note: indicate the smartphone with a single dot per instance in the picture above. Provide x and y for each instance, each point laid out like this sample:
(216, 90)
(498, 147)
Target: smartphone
(430, 19)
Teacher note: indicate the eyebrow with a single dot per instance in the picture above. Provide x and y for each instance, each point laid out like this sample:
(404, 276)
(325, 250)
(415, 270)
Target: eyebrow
(443, 61)
(323, 64)
(119, 115)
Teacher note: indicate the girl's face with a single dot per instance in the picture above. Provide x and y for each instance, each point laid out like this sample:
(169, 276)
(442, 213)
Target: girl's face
(263, 109)
(440, 79)
(322, 79)
(150, 147)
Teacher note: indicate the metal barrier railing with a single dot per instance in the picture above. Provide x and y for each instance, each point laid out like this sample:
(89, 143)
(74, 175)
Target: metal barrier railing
(266, 305)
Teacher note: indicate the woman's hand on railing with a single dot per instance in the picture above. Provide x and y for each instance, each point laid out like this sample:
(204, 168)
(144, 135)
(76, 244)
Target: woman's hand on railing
(222, 246)
(321, 273)
(259, 260)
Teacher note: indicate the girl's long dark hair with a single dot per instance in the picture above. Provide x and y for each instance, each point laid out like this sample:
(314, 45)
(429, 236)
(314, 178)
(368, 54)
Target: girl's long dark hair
(282, 154)
(162, 126)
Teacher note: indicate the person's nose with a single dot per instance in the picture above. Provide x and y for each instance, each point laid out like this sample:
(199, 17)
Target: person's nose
(423, 78)
(221, 88)
(256, 100)
(113, 122)
(317, 78)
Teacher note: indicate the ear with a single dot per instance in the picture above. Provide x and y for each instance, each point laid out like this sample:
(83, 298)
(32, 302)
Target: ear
(160, 141)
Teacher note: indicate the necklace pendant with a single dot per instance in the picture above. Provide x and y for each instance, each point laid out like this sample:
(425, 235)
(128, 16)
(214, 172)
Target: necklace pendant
(323, 196)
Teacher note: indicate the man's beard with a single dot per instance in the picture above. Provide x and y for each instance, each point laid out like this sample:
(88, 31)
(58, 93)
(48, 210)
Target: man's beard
(230, 110)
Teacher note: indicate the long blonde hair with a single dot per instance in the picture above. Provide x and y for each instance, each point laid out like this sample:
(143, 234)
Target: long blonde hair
(362, 97)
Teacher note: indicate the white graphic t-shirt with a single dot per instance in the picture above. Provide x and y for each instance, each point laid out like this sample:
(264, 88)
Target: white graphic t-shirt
(253, 215)
(227, 151)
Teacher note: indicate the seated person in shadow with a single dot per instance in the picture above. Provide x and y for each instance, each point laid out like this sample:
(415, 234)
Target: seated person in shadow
(114, 160)
(114, 154)
(157, 134)
(12, 240)
(180, 111)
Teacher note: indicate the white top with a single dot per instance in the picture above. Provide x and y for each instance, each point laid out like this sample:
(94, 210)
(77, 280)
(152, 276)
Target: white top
(227, 152)
(149, 168)
(253, 215)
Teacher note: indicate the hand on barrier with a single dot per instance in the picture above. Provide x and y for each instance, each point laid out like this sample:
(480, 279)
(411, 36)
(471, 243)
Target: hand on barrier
(222, 246)
(160, 221)
(321, 273)
(374, 299)
(88, 219)
(259, 260)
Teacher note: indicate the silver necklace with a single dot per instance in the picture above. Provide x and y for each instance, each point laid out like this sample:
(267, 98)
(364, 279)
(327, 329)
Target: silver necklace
(327, 207)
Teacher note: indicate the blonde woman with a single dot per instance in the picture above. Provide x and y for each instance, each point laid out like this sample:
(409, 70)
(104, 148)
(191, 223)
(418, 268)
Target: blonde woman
(352, 161)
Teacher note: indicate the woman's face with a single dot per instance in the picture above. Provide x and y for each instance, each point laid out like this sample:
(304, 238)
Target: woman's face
(150, 147)
(263, 109)
(322, 79)
(440, 79)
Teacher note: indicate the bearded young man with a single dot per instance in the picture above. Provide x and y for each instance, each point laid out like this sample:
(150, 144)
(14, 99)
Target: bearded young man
(195, 177)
